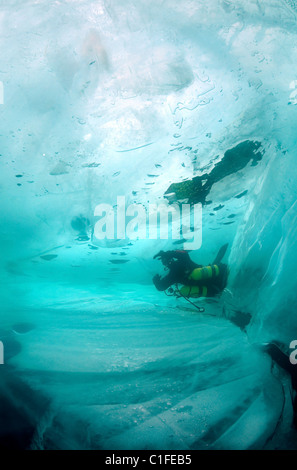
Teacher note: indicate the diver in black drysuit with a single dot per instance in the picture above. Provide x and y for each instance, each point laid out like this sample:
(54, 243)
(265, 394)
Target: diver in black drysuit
(180, 266)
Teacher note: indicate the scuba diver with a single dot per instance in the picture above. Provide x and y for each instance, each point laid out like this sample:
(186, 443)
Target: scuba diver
(197, 280)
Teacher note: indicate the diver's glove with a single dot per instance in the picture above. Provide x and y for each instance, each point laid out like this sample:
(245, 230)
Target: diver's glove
(159, 255)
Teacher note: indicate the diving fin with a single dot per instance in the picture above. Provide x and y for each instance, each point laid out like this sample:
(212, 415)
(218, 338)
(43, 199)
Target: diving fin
(221, 254)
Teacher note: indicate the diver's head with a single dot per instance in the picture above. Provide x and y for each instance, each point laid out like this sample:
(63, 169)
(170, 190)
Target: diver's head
(166, 262)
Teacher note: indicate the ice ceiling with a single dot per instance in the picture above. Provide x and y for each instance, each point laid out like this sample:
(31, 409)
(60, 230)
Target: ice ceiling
(111, 98)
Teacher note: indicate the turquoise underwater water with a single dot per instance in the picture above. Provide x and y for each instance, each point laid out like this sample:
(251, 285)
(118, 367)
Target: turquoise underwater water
(101, 100)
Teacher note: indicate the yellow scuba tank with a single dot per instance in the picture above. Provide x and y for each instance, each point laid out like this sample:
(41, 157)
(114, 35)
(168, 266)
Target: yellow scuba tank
(206, 272)
(200, 274)
(193, 291)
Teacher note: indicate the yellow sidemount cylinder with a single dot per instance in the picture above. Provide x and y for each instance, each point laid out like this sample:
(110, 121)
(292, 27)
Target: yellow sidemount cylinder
(200, 274)
(193, 291)
(207, 272)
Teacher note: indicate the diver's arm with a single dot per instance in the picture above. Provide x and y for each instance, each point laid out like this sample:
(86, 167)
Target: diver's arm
(181, 255)
(185, 261)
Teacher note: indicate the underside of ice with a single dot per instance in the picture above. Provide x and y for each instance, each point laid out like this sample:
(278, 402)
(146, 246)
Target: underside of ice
(178, 101)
